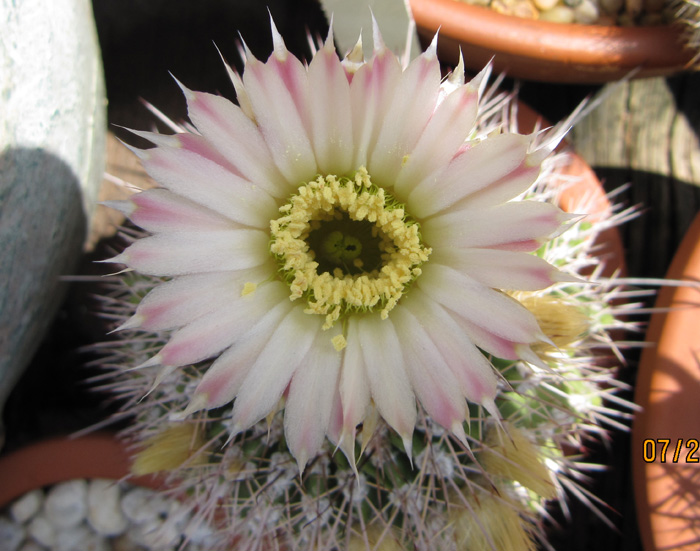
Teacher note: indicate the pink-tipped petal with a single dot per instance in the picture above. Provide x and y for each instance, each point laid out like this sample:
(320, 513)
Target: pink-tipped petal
(511, 226)
(213, 332)
(494, 311)
(211, 185)
(331, 120)
(223, 379)
(306, 420)
(278, 92)
(182, 300)
(505, 270)
(370, 96)
(475, 375)
(272, 371)
(238, 139)
(412, 105)
(388, 382)
(158, 210)
(175, 254)
(444, 134)
(434, 383)
(495, 162)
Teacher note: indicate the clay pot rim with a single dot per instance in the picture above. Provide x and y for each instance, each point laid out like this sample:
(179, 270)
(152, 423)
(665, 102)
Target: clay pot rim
(58, 459)
(556, 52)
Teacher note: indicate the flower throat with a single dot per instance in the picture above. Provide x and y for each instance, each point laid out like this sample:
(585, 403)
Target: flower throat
(345, 246)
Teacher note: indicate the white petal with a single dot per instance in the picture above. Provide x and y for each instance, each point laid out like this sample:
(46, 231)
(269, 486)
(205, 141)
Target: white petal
(493, 162)
(223, 379)
(516, 226)
(278, 92)
(371, 91)
(500, 269)
(308, 407)
(433, 382)
(475, 375)
(331, 116)
(217, 330)
(272, 371)
(388, 381)
(189, 252)
(445, 133)
(492, 310)
(237, 138)
(209, 184)
(354, 384)
(158, 210)
(411, 107)
(185, 298)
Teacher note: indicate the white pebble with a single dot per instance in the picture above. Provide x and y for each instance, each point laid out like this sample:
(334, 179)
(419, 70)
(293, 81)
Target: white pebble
(544, 5)
(142, 506)
(27, 506)
(11, 534)
(66, 504)
(558, 14)
(586, 12)
(42, 531)
(79, 537)
(154, 535)
(104, 508)
(126, 543)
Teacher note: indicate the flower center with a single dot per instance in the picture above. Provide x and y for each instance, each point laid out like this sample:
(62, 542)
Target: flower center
(346, 246)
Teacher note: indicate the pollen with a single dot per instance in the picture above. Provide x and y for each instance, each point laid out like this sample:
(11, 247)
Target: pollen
(339, 342)
(248, 288)
(336, 277)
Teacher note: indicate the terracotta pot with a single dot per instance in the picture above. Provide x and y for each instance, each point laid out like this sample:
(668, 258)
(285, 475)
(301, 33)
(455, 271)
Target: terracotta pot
(550, 52)
(98, 455)
(667, 485)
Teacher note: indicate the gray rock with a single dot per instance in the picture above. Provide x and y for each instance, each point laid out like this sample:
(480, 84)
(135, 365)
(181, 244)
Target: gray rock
(11, 534)
(27, 506)
(52, 142)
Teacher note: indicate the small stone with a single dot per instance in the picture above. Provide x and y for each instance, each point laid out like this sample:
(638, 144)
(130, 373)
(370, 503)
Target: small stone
(544, 5)
(558, 14)
(518, 8)
(104, 508)
(41, 530)
(125, 542)
(154, 535)
(79, 537)
(11, 535)
(27, 506)
(586, 13)
(142, 506)
(66, 504)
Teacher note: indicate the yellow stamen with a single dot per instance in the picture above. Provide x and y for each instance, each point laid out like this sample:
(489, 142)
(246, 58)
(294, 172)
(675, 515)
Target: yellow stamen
(563, 321)
(490, 523)
(332, 295)
(512, 455)
(170, 449)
